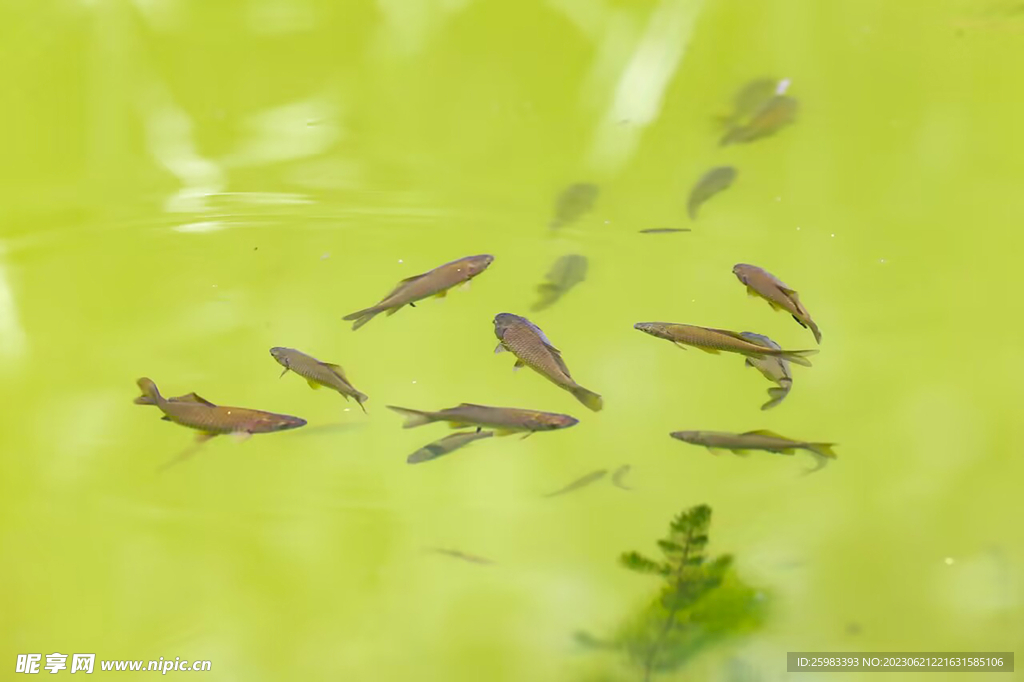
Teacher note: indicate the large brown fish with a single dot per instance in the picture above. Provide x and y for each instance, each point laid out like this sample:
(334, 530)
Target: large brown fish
(567, 272)
(572, 203)
(762, 283)
(213, 420)
(712, 340)
(437, 282)
(532, 348)
(769, 441)
(446, 445)
(775, 114)
(504, 420)
(773, 368)
(711, 183)
(317, 373)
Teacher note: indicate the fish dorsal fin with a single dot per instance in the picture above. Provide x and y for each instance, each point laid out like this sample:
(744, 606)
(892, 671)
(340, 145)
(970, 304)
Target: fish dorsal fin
(192, 398)
(471, 405)
(542, 335)
(402, 283)
(337, 369)
(763, 432)
(734, 335)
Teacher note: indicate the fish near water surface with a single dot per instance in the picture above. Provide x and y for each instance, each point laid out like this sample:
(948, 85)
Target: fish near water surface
(317, 373)
(436, 282)
(711, 183)
(574, 202)
(504, 420)
(711, 340)
(446, 445)
(773, 367)
(760, 282)
(532, 348)
(567, 272)
(768, 441)
(774, 115)
(213, 420)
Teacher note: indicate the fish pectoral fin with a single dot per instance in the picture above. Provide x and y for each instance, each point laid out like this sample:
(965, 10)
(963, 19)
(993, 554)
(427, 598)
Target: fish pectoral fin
(504, 432)
(762, 432)
(748, 362)
(459, 425)
(526, 435)
(312, 384)
(441, 294)
(752, 292)
(788, 451)
(241, 436)
(715, 451)
(519, 365)
(800, 322)
(500, 348)
(166, 418)
(284, 372)
(465, 286)
(204, 436)
(680, 345)
(191, 398)
(713, 351)
(392, 311)
(412, 305)
(741, 452)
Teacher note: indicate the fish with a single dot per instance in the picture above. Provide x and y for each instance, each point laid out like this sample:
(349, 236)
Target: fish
(741, 443)
(317, 373)
(762, 283)
(711, 183)
(567, 272)
(574, 202)
(592, 477)
(213, 420)
(773, 368)
(620, 474)
(711, 340)
(532, 348)
(664, 230)
(446, 445)
(749, 99)
(456, 554)
(436, 282)
(504, 420)
(775, 114)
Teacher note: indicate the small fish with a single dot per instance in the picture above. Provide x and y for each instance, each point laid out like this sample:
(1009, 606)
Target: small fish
(775, 114)
(664, 230)
(456, 554)
(446, 445)
(213, 420)
(774, 368)
(619, 475)
(567, 272)
(436, 282)
(573, 202)
(532, 348)
(592, 477)
(504, 420)
(749, 99)
(711, 183)
(769, 441)
(780, 297)
(317, 373)
(712, 340)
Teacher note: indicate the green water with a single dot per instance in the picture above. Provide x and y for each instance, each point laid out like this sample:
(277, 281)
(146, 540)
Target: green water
(187, 184)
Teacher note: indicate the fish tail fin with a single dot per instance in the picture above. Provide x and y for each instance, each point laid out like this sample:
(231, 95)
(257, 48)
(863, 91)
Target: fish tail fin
(777, 393)
(362, 398)
(150, 394)
(592, 400)
(413, 418)
(798, 356)
(363, 316)
(816, 332)
(822, 449)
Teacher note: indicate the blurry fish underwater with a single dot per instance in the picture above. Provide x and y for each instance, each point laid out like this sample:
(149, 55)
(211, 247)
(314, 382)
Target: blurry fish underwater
(436, 282)
(773, 367)
(751, 97)
(664, 230)
(584, 481)
(760, 282)
(567, 272)
(618, 478)
(317, 373)
(774, 115)
(574, 202)
(456, 554)
(711, 340)
(532, 348)
(504, 420)
(711, 183)
(446, 445)
(741, 443)
(212, 420)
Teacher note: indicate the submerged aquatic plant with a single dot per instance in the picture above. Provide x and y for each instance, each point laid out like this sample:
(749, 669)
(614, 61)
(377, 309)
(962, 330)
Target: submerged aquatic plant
(701, 601)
